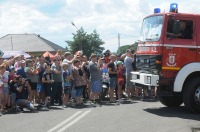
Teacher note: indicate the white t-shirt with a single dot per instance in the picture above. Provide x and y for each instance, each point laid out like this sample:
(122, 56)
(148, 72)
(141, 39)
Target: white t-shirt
(5, 78)
(69, 65)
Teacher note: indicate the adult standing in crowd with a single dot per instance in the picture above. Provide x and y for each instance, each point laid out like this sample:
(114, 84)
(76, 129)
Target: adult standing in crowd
(96, 78)
(17, 63)
(32, 75)
(79, 80)
(57, 84)
(87, 72)
(5, 92)
(21, 70)
(68, 60)
(113, 73)
(129, 68)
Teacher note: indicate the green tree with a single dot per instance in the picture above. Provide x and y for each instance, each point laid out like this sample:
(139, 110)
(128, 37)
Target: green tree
(122, 49)
(89, 43)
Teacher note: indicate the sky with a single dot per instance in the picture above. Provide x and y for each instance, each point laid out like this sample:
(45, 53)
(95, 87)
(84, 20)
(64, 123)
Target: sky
(52, 19)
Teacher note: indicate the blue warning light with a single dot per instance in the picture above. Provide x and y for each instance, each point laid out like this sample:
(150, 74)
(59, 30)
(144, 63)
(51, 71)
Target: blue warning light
(174, 7)
(157, 10)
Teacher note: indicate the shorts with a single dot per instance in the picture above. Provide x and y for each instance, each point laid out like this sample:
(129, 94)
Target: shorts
(79, 91)
(96, 86)
(47, 89)
(120, 81)
(129, 84)
(67, 90)
(113, 82)
(40, 87)
(73, 92)
(6, 90)
(33, 85)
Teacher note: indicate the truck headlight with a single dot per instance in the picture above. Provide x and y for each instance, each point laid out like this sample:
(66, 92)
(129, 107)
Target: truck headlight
(148, 79)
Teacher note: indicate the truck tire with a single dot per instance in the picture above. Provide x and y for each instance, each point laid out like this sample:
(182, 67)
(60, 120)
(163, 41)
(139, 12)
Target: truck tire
(170, 101)
(191, 95)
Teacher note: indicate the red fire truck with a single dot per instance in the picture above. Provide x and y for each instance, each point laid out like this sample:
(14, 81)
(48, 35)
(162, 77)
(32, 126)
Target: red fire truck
(168, 57)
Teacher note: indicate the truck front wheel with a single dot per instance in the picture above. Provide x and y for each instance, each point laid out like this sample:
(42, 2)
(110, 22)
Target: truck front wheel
(191, 95)
(170, 101)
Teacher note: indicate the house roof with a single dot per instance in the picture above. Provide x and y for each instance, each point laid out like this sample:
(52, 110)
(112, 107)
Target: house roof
(27, 43)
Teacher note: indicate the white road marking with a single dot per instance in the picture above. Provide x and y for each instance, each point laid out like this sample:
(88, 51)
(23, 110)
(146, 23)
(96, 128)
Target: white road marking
(65, 121)
(74, 121)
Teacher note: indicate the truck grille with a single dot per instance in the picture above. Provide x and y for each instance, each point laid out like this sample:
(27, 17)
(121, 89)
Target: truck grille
(148, 62)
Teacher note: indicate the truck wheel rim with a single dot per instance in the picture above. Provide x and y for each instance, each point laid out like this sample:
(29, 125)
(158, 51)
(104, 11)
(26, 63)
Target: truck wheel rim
(197, 95)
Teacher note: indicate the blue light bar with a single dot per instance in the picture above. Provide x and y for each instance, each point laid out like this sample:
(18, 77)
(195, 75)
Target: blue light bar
(174, 7)
(157, 10)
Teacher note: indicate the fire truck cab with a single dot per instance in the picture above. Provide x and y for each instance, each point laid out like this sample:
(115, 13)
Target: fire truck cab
(168, 57)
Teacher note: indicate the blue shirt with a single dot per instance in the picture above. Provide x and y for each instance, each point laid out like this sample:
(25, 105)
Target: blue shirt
(21, 72)
(67, 82)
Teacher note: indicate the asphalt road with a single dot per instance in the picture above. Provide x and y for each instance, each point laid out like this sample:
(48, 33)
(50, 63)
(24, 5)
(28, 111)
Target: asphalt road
(131, 116)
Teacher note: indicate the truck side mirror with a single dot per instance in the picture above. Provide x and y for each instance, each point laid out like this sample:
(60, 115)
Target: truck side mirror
(176, 28)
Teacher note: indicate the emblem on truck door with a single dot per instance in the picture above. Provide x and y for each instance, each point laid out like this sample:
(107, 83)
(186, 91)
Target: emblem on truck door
(171, 60)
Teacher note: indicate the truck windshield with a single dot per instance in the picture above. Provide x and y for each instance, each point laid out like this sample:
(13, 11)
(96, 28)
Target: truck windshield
(151, 28)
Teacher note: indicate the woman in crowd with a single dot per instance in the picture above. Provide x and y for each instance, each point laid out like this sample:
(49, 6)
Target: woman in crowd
(5, 77)
(79, 80)
(32, 75)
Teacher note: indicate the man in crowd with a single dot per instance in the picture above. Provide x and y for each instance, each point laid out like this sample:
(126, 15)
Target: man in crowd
(129, 68)
(22, 92)
(57, 84)
(96, 78)
(21, 70)
(68, 60)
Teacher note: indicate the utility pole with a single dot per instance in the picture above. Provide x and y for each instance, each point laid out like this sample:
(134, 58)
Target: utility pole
(119, 42)
(11, 43)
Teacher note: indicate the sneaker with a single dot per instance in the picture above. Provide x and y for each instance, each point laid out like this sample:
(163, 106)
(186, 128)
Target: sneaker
(112, 101)
(99, 102)
(4, 112)
(125, 94)
(92, 103)
(44, 109)
(120, 101)
(137, 98)
(35, 111)
(18, 110)
(65, 106)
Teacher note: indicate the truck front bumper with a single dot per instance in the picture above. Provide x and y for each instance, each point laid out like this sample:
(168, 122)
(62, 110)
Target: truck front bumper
(145, 79)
